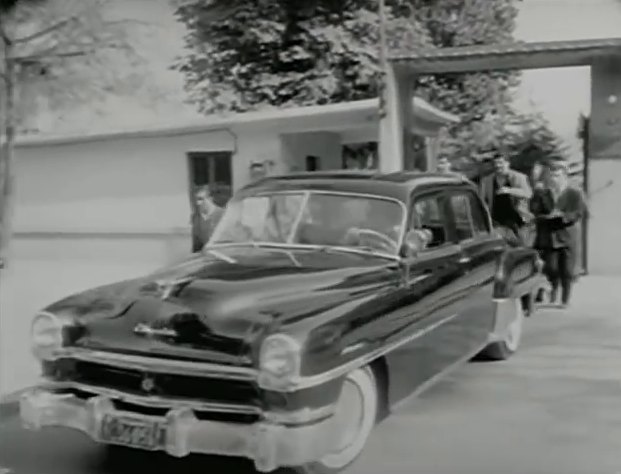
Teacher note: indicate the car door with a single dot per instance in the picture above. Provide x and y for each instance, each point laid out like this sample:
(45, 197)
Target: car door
(432, 302)
(479, 250)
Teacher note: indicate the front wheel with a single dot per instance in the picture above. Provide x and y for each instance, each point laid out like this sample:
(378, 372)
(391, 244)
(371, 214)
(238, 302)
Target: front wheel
(505, 348)
(355, 417)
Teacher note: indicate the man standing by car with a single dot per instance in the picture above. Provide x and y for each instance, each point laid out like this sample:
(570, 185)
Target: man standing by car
(507, 194)
(558, 208)
(206, 215)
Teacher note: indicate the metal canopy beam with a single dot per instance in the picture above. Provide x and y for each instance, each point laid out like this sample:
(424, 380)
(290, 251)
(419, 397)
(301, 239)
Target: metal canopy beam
(481, 58)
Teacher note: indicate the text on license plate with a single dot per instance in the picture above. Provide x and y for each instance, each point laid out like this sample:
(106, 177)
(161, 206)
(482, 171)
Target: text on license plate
(132, 432)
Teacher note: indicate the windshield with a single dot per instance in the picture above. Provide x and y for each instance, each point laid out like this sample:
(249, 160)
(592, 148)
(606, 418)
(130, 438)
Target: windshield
(312, 218)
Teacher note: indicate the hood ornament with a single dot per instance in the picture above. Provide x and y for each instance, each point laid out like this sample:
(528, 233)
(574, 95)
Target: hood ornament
(146, 330)
(167, 287)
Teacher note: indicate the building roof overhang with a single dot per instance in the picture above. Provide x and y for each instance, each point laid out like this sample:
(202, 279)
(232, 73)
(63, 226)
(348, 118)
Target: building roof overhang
(517, 55)
(297, 119)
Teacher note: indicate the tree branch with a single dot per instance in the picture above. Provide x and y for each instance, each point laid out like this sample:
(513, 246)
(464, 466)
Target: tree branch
(38, 57)
(5, 37)
(77, 50)
(46, 31)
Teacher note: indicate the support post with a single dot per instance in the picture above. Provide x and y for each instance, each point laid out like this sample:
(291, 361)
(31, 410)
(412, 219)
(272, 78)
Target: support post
(395, 124)
(604, 166)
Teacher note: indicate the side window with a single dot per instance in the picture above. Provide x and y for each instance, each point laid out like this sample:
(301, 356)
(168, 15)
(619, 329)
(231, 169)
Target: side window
(479, 216)
(427, 213)
(460, 206)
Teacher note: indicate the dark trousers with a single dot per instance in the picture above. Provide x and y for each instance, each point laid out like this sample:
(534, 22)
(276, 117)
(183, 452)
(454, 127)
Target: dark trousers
(558, 268)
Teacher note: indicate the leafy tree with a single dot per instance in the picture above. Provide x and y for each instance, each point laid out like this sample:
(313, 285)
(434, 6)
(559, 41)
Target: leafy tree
(248, 54)
(60, 48)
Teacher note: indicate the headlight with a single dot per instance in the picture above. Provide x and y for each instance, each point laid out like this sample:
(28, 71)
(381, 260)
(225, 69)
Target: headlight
(279, 361)
(46, 335)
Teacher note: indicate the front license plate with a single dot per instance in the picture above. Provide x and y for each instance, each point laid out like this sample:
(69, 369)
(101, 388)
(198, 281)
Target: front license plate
(133, 432)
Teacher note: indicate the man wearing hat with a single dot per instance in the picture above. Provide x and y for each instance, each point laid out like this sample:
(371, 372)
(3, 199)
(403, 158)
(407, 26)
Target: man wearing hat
(507, 193)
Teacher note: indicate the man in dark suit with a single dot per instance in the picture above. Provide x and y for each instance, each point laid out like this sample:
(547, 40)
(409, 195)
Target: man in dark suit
(206, 216)
(507, 194)
(558, 208)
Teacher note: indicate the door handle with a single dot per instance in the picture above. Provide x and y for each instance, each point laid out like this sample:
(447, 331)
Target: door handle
(464, 260)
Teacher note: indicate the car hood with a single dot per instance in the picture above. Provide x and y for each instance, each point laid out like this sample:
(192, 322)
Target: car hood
(216, 306)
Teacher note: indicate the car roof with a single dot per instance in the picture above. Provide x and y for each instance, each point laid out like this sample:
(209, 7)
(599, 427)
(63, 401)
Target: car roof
(397, 185)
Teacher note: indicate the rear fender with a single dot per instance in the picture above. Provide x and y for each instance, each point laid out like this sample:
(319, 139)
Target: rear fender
(518, 274)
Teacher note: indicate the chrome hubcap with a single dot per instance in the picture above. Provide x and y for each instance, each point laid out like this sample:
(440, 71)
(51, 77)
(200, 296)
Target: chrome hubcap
(514, 332)
(349, 416)
(353, 420)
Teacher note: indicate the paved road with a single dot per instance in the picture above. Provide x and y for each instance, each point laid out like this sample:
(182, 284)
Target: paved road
(555, 408)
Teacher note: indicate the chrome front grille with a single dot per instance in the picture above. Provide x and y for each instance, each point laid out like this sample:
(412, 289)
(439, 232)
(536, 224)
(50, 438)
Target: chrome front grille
(144, 383)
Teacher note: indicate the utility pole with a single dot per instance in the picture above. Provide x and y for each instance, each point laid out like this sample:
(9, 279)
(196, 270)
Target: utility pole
(382, 59)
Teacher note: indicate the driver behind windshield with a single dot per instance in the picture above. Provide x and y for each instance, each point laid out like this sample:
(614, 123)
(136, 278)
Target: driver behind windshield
(324, 222)
(331, 220)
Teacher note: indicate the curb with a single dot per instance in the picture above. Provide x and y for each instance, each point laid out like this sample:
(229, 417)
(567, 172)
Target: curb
(9, 403)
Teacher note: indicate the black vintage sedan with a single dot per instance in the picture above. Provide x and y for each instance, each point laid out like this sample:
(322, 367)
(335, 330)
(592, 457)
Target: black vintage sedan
(321, 301)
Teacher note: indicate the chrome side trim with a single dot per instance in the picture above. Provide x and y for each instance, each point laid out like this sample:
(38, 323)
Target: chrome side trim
(159, 364)
(318, 379)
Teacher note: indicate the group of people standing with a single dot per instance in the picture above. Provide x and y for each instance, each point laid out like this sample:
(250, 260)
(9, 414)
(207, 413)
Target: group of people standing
(543, 214)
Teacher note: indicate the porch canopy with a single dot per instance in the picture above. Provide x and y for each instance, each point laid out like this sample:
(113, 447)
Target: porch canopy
(404, 66)
(344, 117)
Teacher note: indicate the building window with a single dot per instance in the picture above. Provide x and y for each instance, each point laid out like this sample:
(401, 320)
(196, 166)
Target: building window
(212, 168)
(313, 163)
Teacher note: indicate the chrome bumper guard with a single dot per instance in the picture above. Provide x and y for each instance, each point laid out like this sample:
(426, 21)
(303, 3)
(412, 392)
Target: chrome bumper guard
(268, 444)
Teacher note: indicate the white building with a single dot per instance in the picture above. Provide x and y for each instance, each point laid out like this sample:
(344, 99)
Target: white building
(127, 195)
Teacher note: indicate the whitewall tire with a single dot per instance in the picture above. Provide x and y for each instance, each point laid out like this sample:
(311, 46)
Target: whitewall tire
(510, 343)
(355, 417)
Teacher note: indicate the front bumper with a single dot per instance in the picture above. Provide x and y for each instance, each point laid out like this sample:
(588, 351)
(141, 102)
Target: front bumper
(269, 445)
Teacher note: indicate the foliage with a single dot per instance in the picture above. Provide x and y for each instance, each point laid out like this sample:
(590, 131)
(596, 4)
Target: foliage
(64, 50)
(57, 48)
(531, 140)
(246, 54)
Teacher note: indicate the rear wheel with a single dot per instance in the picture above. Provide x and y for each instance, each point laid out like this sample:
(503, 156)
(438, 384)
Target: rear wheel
(355, 417)
(505, 348)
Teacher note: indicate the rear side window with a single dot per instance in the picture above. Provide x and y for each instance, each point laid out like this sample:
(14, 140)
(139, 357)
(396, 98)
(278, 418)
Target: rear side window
(427, 213)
